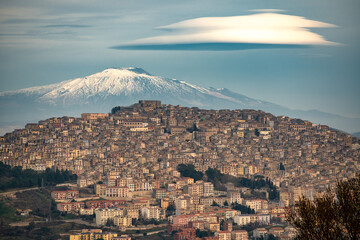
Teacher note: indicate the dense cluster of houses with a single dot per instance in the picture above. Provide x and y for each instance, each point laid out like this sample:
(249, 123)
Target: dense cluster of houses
(130, 159)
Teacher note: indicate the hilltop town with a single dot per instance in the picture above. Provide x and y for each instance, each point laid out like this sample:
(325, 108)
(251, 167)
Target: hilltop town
(143, 163)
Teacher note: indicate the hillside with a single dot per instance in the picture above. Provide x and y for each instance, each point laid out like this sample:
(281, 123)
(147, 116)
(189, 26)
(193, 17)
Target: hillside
(101, 91)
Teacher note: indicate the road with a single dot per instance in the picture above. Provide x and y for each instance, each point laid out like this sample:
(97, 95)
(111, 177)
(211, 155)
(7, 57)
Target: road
(27, 222)
(17, 191)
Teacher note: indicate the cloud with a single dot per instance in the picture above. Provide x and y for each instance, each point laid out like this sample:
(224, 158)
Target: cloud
(67, 26)
(266, 10)
(314, 55)
(260, 30)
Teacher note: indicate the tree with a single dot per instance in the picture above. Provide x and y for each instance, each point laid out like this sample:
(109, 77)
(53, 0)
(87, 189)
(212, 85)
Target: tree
(45, 230)
(348, 206)
(335, 215)
(215, 204)
(188, 170)
(114, 110)
(170, 210)
(213, 174)
(226, 204)
(282, 166)
(201, 234)
(110, 222)
(243, 209)
(19, 178)
(272, 237)
(274, 194)
(31, 226)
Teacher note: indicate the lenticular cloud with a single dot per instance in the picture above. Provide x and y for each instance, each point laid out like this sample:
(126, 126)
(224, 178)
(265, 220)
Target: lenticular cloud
(261, 30)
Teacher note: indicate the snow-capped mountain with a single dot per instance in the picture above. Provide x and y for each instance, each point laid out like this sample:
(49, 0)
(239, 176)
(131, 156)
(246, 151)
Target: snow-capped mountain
(124, 86)
(128, 82)
(127, 85)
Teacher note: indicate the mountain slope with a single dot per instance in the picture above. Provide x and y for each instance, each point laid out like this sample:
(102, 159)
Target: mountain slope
(124, 86)
(346, 124)
(357, 134)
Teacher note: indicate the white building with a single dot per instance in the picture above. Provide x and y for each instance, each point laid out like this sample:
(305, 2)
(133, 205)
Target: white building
(151, 212)
(260, 232)
(40, 167)
(86, 211)
(102, 215)
(181, 203)
(235, 197)
(264, 218)
(242, 219)
(82, 182)
(256, 204)
(208, 189)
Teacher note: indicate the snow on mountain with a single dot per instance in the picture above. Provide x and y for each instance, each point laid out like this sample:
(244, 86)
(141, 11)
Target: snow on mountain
(122, 82)
(124, 86)
(33, 90)
(116, 82)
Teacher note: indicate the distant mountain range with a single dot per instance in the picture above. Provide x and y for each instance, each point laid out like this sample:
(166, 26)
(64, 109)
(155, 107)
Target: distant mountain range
(124, 86)
(357, 134)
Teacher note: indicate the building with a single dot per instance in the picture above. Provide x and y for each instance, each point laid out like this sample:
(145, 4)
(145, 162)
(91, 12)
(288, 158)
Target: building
(181, 203)
(227, 226)
(133, 213)
(122, 221)
(235, 197)
(105, 204)
(212, 226)
(256, 204)
(94, 116)
(260, 232)
(223, 235)
(64, 195)
(239, 235)
(160, 193)
(242, 219)
(117, 192)
(100, 190)
(185, 233)
(70, 207)
(196, 188)
(264, 218)
(197, 224)
(103, 215)
(86, 211)
(276, 231)
(180, 220)
(82, 182)
(208, 189)
(150, 103)
(90, 234)
(152, 212)
(122, 237)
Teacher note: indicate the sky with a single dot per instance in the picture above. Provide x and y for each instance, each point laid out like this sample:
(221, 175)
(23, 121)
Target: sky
(299, 54)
